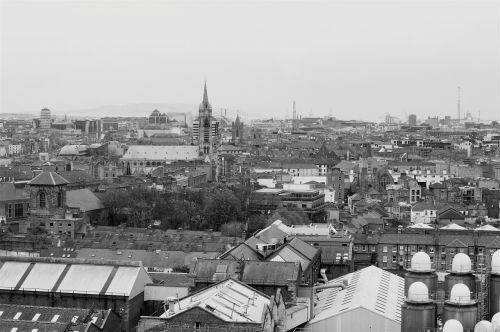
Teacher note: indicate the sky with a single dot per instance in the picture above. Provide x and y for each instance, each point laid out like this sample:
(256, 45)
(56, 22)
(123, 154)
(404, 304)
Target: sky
(350, 59)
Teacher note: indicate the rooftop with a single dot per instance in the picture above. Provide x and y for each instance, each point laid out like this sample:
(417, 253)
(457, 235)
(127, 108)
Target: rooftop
(229, 300)
(48, 179)
(371, 288)
(72, 275)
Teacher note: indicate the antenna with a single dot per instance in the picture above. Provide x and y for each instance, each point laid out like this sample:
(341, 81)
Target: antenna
(458, 103)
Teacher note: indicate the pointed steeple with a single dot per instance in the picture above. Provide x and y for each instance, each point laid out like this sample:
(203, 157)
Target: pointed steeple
(205, 94)
(205, 105)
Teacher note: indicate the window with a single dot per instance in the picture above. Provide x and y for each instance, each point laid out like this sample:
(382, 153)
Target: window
(10, 211)
(41, 200)
(431, 250)
(394, 248)
(51, 224)
(18, 210)
(385, 249)
(394, 259)
(59, 199)
(384, 259)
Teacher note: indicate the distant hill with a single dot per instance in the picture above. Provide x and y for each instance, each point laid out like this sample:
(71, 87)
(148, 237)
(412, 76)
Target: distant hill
(128, 110)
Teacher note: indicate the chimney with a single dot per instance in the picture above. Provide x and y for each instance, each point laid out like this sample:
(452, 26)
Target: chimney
(171, 303)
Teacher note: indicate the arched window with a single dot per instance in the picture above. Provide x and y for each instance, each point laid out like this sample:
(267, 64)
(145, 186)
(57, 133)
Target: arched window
(59, 199)
(42, 202)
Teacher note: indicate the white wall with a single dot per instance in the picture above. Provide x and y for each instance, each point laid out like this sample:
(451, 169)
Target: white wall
(356, 320)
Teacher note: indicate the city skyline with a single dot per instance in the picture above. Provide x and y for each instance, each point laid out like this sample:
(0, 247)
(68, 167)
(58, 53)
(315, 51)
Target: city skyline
(361, 71)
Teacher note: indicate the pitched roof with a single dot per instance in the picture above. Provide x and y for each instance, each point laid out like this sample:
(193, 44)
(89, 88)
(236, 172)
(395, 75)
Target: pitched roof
(9, 192)
(372, 288)
(248, 271)
(453, 226)
(227, 300)
(83, 199)
(72, 276)
(79, 176)
(48, 179)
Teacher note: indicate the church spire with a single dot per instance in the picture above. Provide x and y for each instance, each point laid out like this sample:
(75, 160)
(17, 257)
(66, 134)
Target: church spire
(205, 105)
(205, 94)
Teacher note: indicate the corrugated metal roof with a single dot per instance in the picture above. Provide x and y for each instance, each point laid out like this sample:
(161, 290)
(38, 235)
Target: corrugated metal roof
(371, 288)
(229, 300)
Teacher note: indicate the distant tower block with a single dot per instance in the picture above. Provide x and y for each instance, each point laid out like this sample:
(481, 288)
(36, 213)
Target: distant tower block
(412, 120)
(45, 119)
(458, 103)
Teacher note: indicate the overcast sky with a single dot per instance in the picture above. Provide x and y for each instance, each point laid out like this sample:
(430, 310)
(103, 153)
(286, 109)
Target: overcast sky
(351, 59)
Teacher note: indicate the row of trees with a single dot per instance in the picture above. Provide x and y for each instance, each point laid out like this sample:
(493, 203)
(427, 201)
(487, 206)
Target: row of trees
(218, 208)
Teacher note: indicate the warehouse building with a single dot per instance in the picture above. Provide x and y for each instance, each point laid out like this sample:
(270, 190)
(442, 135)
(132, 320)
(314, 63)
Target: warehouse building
(75, 283)
(371, 301)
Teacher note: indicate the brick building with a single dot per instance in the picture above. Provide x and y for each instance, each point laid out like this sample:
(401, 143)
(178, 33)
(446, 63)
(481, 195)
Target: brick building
(228, 306)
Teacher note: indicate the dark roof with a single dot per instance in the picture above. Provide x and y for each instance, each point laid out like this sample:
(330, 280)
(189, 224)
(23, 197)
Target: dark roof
(406, 238)
(449, 212)
(48, 179)
(18, 173)
(252, 272)
(242, 251)
(9, 192)
(304, 248)
(78, 177)
(171, 279)
(455, 240)
(83, 199)
(43, 323)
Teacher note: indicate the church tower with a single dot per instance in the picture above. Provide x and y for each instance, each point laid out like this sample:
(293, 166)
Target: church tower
(206, 127)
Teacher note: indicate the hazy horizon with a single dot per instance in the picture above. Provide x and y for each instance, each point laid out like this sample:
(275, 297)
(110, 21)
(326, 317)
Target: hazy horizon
(349, 59)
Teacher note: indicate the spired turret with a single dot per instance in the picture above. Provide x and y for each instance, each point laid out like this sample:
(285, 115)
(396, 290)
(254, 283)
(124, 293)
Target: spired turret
(418, 312)
(461, 307)
(421, 271)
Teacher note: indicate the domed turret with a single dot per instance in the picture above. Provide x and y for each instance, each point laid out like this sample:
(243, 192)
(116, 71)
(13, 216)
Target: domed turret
(421, 271)
(495, 322)
(453, 325)
(460, 293)
(421, 262)
(418, 312)
(418, 292)
(483, 326)
(495, 262)
(461, 263)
